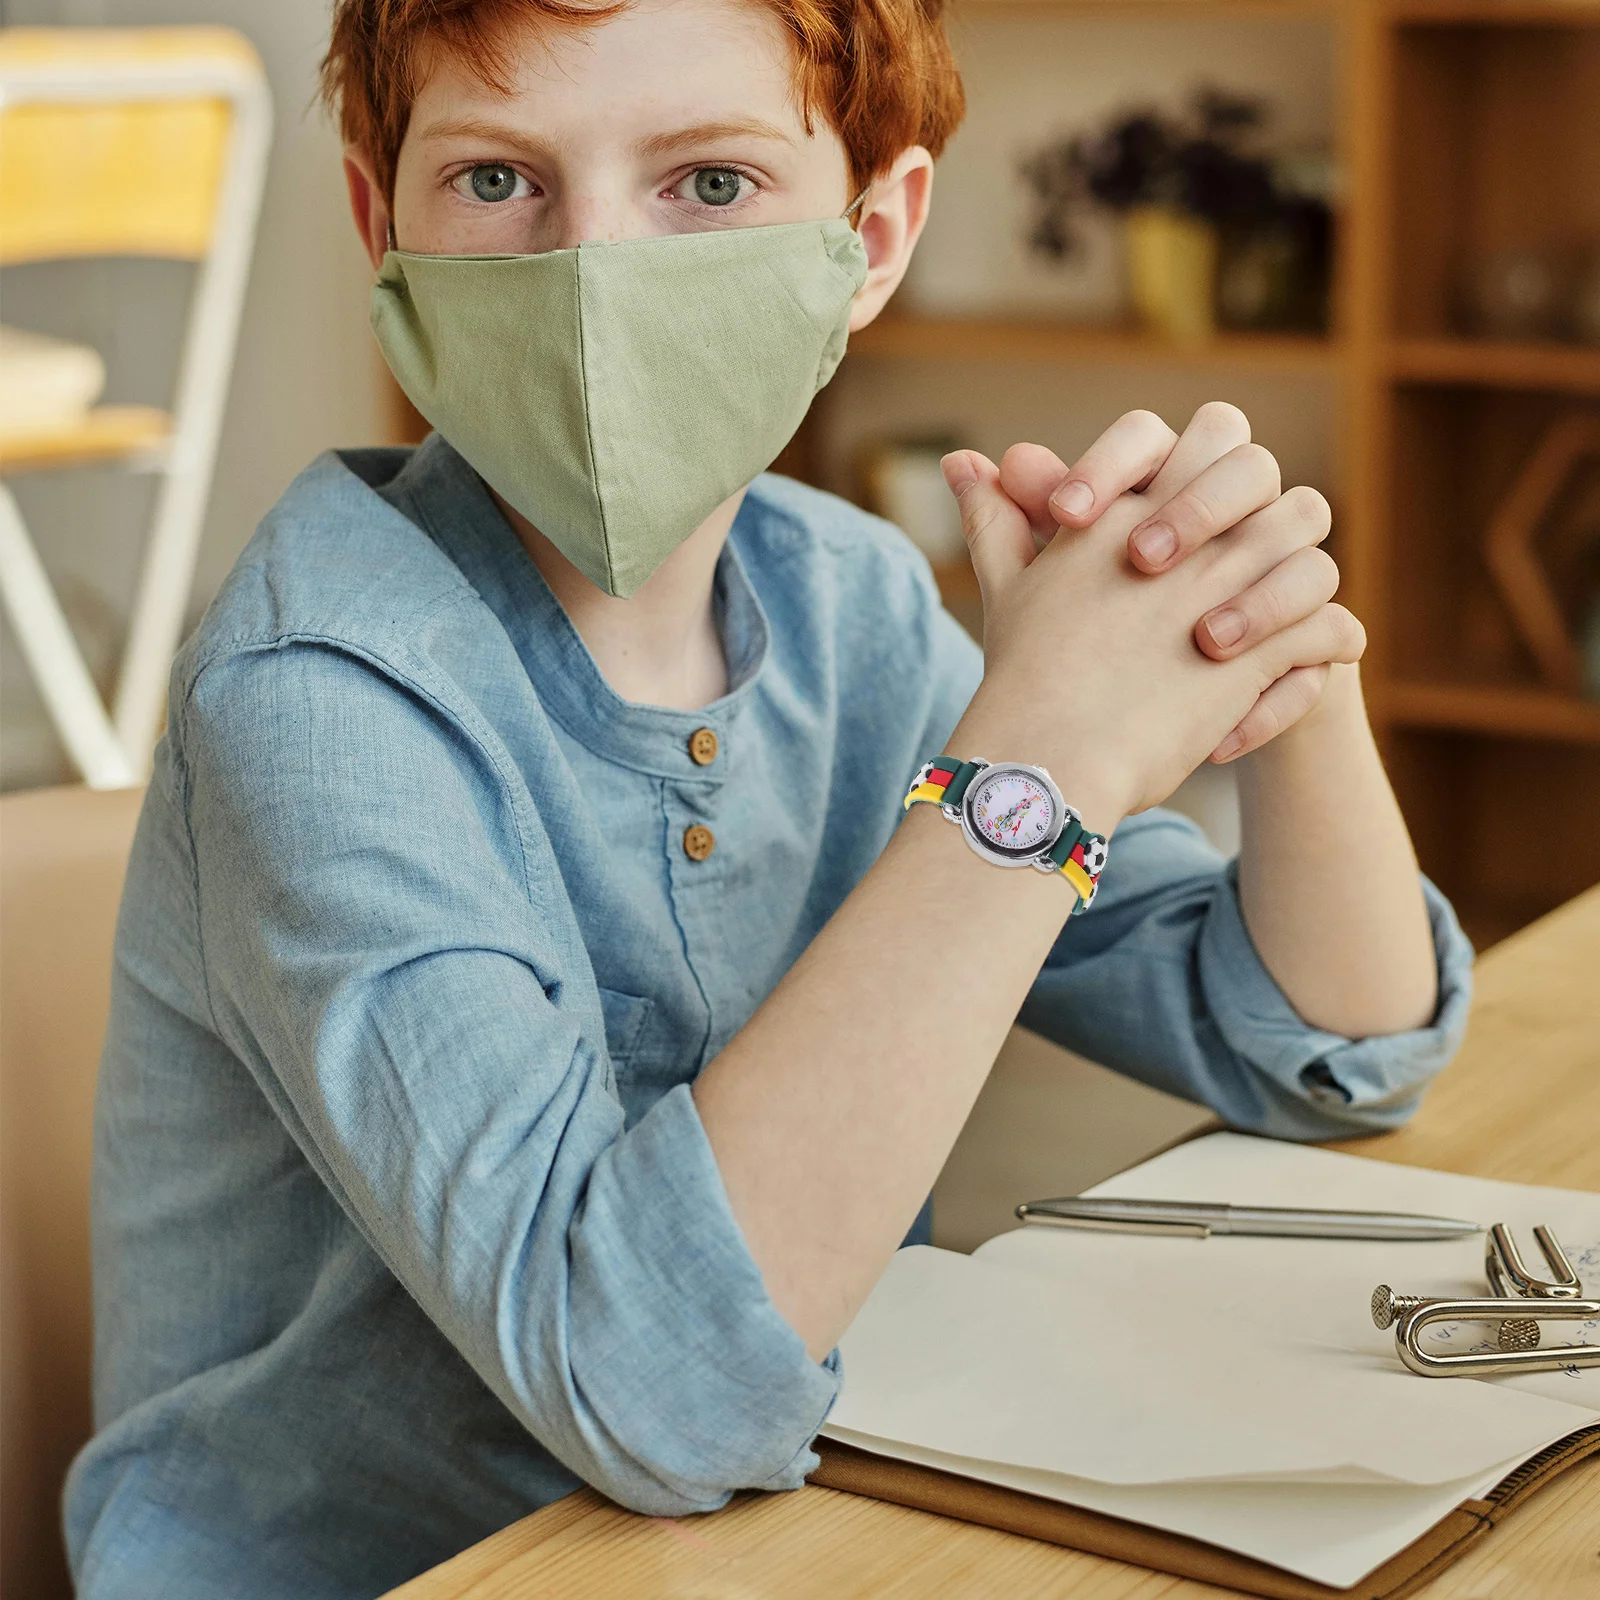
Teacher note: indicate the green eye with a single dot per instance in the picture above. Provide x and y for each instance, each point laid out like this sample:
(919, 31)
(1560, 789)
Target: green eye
(494, 182)
(717, 186)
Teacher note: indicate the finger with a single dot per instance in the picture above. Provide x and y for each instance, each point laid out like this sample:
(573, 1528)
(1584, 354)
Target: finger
(1294, 589)
(996, 529)
(1248, 551)
(1331, 633)
(1214, 430)
(1126, 456)
(1280, 707)
(1030, 474)
(1241, 482)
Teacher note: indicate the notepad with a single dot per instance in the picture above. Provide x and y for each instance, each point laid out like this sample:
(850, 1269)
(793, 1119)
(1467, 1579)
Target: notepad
(1233, 1389)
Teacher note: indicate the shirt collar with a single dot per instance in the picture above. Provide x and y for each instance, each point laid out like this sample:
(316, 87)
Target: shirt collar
(441, 492)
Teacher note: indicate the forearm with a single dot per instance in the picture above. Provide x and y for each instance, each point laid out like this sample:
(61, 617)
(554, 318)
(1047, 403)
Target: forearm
(1327, 876)
(832, 1111)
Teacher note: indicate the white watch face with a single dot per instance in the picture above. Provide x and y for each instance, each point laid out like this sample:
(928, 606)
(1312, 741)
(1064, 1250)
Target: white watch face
(1012, 811)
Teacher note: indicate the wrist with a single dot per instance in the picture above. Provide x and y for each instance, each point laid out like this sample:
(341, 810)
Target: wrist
(1086, 776)
(1339, 719)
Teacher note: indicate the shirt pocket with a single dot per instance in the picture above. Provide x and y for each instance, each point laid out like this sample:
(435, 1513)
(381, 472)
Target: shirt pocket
(625, 1017)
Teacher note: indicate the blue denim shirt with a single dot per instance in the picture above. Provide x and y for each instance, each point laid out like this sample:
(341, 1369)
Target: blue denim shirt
(405, 1223)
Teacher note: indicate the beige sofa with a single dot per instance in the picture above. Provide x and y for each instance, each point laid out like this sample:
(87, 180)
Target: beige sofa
(62, 854)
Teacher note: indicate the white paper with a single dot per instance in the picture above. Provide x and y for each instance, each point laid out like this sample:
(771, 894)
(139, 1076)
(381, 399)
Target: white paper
(1238, 1170)
(1233, 1389)
(1350, 1528)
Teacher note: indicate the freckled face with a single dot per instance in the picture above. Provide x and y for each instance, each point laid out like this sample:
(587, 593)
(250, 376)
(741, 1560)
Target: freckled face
(675, 116)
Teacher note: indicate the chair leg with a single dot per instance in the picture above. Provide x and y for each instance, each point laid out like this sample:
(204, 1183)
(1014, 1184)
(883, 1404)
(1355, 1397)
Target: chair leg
(155, 624)
(53, 656)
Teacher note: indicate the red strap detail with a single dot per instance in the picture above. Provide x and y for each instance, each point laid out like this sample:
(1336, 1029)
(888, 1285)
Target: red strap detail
(941, 775)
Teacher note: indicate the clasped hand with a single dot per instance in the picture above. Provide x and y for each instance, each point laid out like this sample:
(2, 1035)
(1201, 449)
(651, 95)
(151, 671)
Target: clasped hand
(1157, 603)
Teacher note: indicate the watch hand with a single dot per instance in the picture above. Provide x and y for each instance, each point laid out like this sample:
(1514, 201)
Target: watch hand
(1018, 811)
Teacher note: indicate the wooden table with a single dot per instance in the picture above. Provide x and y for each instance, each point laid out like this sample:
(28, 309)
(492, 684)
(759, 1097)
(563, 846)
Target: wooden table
(1521, 1102)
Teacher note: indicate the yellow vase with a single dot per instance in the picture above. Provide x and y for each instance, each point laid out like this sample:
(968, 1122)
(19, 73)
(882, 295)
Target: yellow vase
(1172, 273)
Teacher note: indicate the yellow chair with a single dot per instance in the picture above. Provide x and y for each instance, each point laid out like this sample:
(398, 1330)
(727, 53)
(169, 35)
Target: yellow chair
(167, 130)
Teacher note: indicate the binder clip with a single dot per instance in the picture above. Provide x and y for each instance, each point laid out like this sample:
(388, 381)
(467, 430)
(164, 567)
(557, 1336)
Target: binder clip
(1517, 1303)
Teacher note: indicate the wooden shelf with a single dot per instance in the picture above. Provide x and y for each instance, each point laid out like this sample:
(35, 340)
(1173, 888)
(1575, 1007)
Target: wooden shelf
(963, 599)
(957, 581)
(1498, 364)
(1510, 713)
(1487, 919)
(1498, 13)
(1003, 339)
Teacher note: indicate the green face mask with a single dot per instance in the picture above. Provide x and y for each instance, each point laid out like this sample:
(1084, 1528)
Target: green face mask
(616, 394)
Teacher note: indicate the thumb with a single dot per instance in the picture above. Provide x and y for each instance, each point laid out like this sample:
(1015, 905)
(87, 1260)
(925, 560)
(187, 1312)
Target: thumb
(999, 538)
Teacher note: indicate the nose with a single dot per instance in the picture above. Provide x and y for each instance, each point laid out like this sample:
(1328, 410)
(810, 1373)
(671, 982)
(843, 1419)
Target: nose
(595, 218)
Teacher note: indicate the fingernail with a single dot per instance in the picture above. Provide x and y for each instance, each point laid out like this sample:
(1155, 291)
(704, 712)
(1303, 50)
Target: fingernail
(1229, 747)
(1226, 626)
(958, 473)
(1155, 544)
(1075, 499)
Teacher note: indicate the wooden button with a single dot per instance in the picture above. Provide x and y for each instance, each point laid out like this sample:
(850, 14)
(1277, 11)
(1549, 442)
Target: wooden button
(698, 841)
(703, 747)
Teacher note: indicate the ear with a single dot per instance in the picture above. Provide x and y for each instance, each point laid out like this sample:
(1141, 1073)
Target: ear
(367, 205)
(892, 218)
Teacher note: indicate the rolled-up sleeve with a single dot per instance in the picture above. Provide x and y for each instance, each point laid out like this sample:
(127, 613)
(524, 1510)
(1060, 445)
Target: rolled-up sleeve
(1161, 981)
(389, 948)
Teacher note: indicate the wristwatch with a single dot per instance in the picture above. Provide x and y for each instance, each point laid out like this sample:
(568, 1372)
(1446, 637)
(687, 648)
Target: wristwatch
(1014, 816)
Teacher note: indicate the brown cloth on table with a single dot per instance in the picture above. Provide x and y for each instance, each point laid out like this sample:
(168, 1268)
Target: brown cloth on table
(927, 1489)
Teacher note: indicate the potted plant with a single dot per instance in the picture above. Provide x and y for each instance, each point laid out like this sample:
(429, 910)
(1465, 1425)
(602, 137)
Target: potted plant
(1202, 215)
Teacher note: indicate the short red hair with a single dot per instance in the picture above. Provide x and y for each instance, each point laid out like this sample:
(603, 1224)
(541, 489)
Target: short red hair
(879, 71)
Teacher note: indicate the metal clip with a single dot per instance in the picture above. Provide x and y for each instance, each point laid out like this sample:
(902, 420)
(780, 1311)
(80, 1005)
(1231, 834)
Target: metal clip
(1537, 1300)
(1508, 1276)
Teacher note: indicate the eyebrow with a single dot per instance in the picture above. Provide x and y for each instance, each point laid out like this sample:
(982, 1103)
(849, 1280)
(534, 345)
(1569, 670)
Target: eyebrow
(657, 144)
(476, 128)
(711, 132)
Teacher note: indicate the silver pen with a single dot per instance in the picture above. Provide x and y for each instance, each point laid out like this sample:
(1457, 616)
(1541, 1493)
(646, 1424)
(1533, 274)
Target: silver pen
(1195, 1220)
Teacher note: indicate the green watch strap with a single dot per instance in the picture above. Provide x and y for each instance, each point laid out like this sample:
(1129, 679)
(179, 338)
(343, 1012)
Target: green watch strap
(1063, 847)
(959, 784)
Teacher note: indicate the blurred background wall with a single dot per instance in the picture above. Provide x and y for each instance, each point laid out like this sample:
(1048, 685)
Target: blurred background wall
(306, 376)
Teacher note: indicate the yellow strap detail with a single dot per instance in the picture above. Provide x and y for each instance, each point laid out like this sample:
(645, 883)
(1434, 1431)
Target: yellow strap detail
(1078, 878)
(933, 792)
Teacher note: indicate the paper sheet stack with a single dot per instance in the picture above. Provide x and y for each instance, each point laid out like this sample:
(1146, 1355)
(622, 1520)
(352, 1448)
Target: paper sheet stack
(1232, 1389)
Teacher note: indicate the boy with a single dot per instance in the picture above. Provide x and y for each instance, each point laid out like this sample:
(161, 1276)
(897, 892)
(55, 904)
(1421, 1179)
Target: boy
(533, 1033)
